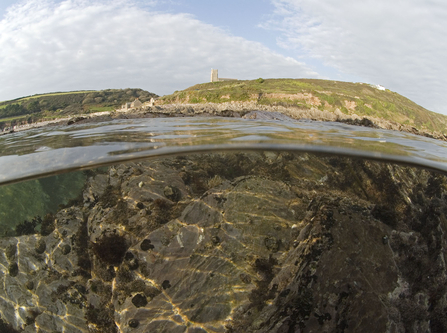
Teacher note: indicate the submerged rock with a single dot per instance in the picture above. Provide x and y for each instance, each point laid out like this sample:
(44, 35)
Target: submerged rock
(237, 242)
(40, 246)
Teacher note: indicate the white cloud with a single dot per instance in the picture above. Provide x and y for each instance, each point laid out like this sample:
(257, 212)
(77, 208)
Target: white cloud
(79, 44)
(401, 44)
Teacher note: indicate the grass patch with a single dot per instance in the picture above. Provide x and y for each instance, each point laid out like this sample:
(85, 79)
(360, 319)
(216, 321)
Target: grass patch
(101, 108)
(283, 102)
(55, 94)
(9, 119)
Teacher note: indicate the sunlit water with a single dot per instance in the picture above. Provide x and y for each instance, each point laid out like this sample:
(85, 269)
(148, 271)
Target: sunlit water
(46, 151)
(219, 225)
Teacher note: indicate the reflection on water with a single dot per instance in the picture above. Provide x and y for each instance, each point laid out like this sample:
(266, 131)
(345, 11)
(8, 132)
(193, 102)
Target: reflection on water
(27, 200)
(266, 241)
(41, 152)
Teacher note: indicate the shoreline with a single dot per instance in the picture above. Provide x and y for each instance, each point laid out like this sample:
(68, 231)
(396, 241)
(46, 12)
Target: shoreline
(232, 109)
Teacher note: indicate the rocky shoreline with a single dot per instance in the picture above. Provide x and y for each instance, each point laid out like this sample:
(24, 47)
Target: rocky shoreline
(238, 110)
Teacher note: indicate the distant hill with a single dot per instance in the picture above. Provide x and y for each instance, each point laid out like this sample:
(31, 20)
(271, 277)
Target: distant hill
(301, 98)
(39, 107)
(333, 96)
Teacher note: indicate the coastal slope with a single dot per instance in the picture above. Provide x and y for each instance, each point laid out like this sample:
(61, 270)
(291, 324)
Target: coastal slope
(322, 100)
(314, 99)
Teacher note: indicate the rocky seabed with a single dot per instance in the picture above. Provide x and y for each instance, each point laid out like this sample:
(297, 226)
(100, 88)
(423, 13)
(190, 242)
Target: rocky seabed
(236, 242)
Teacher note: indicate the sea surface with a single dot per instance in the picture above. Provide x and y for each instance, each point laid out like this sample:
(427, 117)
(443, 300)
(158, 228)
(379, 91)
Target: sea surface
(192, 225)
(45, 151)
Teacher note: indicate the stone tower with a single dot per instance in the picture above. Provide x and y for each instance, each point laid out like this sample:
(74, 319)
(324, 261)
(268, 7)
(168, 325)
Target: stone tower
(214, 77)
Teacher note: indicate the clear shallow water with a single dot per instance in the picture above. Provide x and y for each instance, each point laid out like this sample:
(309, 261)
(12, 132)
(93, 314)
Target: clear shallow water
(47, 151)
(230, 226)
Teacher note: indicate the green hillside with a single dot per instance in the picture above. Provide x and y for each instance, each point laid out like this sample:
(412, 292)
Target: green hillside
(306, 94)
(54, 105)
(350, 98)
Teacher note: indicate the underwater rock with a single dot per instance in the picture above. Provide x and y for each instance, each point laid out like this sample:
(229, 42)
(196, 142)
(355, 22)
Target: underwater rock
(259, 242)
(40, 284)
(41, 246)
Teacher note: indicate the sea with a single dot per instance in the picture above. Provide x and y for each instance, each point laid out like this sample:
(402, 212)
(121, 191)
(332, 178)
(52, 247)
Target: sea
(93, 215)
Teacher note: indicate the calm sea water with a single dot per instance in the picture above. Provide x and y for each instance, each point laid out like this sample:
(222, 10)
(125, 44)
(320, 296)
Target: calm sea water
(45, 151)
(175, 224)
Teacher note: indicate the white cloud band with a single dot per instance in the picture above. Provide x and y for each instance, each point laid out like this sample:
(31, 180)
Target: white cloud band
(79, 44)
(401, 44)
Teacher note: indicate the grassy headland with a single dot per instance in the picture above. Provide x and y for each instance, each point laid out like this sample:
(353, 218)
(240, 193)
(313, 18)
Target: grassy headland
(56, 105)
(299, 98)
(333, 96)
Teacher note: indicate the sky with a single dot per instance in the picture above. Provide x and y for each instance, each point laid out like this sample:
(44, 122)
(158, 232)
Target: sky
(167, 45)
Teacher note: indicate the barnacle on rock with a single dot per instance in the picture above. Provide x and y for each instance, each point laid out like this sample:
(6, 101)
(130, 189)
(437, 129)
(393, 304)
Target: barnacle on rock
(29, 285)
(146, 245)
(139, 300)
(13, 269)
(66, 249)
(271, 243)
(131, 261)
(133, 323)
(11, 251)
(166, 284)
(172, 193)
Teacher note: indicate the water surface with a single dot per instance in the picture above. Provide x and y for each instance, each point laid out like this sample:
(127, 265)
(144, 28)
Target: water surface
(45, 151)
(221, 225)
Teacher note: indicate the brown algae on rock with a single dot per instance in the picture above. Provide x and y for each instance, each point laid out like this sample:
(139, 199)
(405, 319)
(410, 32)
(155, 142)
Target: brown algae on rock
(110, 248)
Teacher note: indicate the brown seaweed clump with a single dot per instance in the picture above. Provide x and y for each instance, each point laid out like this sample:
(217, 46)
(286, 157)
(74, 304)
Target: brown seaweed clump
(162, 211)
(110, 249)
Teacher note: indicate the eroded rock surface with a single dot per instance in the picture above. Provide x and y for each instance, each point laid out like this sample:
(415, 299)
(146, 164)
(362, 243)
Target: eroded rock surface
(237, 242)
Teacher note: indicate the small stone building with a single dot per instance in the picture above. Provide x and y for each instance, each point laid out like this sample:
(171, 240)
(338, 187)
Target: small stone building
(132, 105)
(215, 77)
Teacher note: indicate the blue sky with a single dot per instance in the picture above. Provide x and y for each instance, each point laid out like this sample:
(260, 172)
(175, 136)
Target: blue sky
(167, 45)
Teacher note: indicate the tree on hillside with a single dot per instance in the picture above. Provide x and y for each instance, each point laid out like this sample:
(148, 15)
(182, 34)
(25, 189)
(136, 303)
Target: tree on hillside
(33, 107)
(13, 110)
